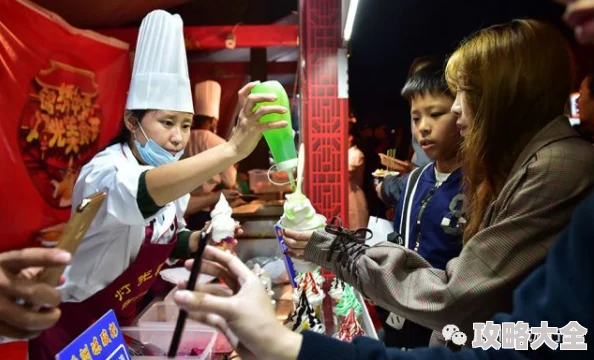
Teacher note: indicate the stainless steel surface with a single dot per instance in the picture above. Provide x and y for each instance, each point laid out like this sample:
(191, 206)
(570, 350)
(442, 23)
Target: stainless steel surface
(258, 228)
(250, 248)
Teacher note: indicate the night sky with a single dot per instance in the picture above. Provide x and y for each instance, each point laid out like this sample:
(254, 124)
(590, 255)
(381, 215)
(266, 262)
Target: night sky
(389, 34)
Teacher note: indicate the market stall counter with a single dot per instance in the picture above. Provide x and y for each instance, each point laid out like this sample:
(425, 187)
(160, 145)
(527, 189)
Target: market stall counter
(151, 335)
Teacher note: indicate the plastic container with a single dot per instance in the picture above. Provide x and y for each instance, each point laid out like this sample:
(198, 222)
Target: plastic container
(202, 340)
(259, 182)
(280, 141)
(163, 315)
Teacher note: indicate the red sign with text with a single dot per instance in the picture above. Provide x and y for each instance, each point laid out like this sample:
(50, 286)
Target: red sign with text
(62, 98)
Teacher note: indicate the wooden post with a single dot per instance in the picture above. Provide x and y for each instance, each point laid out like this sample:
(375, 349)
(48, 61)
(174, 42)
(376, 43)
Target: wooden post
(258, 159)
(324, 119)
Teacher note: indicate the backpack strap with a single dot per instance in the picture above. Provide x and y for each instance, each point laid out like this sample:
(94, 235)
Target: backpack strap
(411, 189)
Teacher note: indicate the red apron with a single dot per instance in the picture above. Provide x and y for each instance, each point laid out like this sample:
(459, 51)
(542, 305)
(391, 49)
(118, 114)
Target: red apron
(122, 295)
(14, 350)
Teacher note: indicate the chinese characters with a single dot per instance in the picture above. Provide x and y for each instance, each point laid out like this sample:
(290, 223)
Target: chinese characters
(97, 346)
(520, 336)
(65, 121)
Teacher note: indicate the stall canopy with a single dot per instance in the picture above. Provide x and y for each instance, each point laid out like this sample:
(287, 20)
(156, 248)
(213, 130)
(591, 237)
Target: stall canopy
(95, 14)
(98, 14)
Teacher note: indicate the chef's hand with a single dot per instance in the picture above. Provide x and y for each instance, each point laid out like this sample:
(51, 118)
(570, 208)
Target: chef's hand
(243, 313)
(17, 320)
(231, 195)
(248, 131)
(579, 15)
(297, 242)
(195, 237)
(237, 203)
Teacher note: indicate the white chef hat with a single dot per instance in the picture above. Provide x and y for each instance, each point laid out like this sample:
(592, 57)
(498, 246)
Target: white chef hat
(207, 96)
(160, 78)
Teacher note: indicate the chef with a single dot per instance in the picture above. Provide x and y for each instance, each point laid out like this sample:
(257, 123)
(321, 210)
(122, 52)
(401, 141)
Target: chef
(207, 99)
(141, 222)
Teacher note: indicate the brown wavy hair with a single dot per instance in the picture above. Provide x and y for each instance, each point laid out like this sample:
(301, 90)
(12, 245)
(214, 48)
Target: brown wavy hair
(516, 78)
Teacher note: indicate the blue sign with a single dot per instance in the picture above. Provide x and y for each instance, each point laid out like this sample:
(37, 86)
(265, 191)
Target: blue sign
(288, 262)
(102, 341)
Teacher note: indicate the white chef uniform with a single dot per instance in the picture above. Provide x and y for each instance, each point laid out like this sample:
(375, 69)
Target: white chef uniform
(160, 81)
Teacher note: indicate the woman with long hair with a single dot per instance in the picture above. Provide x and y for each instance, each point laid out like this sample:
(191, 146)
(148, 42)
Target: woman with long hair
(525, 171)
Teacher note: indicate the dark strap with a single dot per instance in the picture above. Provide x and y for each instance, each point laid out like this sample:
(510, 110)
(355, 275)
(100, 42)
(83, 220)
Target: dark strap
(359, 235)
(413, 180)
(349, 244)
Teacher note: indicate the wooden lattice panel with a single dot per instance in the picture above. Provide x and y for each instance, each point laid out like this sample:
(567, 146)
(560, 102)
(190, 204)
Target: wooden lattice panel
(324, 116)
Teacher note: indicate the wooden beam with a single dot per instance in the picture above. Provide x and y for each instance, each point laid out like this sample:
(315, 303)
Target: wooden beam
(240, 68)
(213, 37)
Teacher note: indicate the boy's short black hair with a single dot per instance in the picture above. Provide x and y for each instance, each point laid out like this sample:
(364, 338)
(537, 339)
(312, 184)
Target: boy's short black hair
(426, 76)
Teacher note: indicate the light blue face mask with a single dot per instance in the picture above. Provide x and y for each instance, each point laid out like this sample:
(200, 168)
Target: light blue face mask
(153, 154)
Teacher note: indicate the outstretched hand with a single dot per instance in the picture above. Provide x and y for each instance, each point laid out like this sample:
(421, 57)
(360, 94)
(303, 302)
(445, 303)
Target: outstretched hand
(297, 242)
(21, 294)
(242, 312)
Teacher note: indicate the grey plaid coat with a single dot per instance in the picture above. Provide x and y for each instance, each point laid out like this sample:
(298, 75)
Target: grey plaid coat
(549, 179)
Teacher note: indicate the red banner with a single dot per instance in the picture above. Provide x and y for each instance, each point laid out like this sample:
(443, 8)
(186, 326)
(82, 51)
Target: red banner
(62, 97)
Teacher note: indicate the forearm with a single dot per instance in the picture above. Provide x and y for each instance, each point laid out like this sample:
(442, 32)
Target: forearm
(229, 177)
(171, 181)
(316, 346)
(187, 244)
(393, 277)
(286, 347)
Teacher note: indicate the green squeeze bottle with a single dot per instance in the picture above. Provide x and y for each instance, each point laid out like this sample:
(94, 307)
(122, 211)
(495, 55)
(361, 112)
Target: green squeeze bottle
(280, 141)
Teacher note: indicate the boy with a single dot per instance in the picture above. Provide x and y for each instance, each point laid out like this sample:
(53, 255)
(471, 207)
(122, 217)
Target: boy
(429, 216)
(390, 189)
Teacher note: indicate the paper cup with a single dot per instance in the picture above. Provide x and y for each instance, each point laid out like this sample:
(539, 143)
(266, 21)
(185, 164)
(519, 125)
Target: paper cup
(339, 319)
(295, 266)
(302, 266)
(335, 299)
(317, 304)
(318, 308)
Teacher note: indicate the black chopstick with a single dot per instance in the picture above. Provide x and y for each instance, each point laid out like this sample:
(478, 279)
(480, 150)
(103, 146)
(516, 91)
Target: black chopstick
(183, 315)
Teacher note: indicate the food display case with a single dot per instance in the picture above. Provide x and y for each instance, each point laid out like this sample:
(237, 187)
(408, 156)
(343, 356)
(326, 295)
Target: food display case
(156, 323)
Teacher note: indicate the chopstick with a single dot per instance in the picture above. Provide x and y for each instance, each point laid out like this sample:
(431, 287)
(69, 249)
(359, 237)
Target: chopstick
(183, 315)
(391, 155)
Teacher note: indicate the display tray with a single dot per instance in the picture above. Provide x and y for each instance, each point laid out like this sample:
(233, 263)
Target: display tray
(157, 321)
(285, 306)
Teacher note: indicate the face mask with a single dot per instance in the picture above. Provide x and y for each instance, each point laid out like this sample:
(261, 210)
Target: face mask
(153, 154)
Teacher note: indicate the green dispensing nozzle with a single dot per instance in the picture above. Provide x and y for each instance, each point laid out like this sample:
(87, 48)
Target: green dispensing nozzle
(280, 141)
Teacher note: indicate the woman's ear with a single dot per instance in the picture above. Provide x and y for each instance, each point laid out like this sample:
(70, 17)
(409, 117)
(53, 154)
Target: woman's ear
(131, 121)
